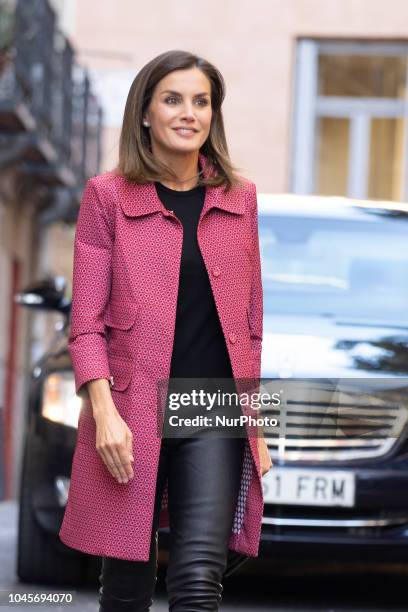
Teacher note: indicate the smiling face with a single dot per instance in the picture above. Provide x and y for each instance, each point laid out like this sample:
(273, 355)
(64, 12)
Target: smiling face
(180, 112)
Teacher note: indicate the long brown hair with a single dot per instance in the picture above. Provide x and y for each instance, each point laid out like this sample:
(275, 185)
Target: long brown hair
(136, 160)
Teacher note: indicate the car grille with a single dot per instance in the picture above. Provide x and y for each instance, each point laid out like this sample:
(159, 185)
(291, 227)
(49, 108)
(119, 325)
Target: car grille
(286, 519)
(319, 423)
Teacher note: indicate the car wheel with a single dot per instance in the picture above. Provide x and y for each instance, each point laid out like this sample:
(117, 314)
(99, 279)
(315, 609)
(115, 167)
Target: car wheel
(38, 559)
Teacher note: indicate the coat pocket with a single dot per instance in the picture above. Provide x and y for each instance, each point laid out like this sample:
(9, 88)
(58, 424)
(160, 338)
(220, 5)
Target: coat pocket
(120, 314)
(120, 319)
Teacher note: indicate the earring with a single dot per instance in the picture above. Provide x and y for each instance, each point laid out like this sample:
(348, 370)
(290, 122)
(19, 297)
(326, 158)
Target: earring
(146, 123)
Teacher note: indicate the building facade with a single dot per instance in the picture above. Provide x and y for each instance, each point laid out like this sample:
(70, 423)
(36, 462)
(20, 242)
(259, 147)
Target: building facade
(316, 89)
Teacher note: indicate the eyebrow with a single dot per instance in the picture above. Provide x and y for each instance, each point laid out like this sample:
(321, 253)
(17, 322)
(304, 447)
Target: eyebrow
(177, 93)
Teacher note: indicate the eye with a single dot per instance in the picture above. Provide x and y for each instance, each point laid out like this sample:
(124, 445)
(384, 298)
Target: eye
(174, 99)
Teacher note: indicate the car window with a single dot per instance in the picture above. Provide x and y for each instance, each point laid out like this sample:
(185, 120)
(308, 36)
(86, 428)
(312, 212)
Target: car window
(352, 269)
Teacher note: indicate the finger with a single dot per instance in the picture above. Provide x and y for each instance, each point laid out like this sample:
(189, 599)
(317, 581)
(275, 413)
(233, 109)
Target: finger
(130, 448)
(117, 453)
(109, 462)
(125, 461)
(130, 454)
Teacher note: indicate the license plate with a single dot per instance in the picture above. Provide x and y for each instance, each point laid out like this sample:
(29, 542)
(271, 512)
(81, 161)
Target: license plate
(309, 487)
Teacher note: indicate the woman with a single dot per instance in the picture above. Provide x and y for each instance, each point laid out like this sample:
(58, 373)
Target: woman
(166, 284)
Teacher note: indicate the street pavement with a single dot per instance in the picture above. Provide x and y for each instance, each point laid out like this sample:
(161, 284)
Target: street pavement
(260, 587)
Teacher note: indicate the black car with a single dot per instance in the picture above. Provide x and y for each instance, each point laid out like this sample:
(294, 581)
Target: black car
(335, 281)
(49, 442)
(335, 286)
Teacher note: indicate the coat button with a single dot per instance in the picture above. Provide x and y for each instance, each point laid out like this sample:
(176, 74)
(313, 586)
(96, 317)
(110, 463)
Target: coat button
(232, 338)
(216, 271)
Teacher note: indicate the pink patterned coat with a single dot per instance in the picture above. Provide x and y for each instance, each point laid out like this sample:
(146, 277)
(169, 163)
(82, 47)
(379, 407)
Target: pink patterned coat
(125, 283)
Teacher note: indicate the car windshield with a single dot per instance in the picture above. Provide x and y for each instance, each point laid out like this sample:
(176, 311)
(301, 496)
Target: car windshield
(335, 267)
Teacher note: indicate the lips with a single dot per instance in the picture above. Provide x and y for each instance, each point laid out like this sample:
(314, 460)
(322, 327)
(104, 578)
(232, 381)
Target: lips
(185, 130)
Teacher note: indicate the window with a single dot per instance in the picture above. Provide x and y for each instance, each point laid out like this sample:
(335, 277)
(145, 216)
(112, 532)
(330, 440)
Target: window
(350, 128)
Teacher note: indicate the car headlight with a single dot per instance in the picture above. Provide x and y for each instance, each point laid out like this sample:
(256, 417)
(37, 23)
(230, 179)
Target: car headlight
(60, 403)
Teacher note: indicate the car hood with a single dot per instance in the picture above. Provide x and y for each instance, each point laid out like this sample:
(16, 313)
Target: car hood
(296, 346)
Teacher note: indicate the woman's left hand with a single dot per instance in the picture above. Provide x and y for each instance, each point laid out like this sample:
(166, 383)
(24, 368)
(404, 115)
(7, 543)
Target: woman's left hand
(264, 457)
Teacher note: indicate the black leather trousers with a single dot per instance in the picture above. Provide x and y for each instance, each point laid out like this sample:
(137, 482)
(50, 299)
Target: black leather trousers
(204, 477)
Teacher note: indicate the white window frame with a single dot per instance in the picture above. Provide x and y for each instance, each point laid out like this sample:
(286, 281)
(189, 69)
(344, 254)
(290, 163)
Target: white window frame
(309, 107)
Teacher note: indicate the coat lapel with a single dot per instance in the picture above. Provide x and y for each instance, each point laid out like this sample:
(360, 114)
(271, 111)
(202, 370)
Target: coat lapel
(142, 199)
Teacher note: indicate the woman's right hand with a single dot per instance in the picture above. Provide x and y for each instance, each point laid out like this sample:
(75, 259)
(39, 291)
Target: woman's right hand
(113, 436)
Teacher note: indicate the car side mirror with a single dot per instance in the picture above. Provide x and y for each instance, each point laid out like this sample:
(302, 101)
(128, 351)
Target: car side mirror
(48, 294)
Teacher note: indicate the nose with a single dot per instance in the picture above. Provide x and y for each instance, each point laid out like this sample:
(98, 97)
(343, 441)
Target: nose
(188, 111)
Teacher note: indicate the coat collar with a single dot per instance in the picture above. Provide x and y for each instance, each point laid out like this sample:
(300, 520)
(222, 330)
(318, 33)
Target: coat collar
(142, 199)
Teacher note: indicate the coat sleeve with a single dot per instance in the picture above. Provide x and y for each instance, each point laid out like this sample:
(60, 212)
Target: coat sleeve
(90, 290)
(255, 311)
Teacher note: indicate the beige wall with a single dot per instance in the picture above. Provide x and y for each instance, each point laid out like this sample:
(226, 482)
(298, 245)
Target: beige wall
(252, 42)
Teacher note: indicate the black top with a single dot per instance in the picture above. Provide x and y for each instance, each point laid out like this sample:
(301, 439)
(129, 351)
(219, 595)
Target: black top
(199, 348)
